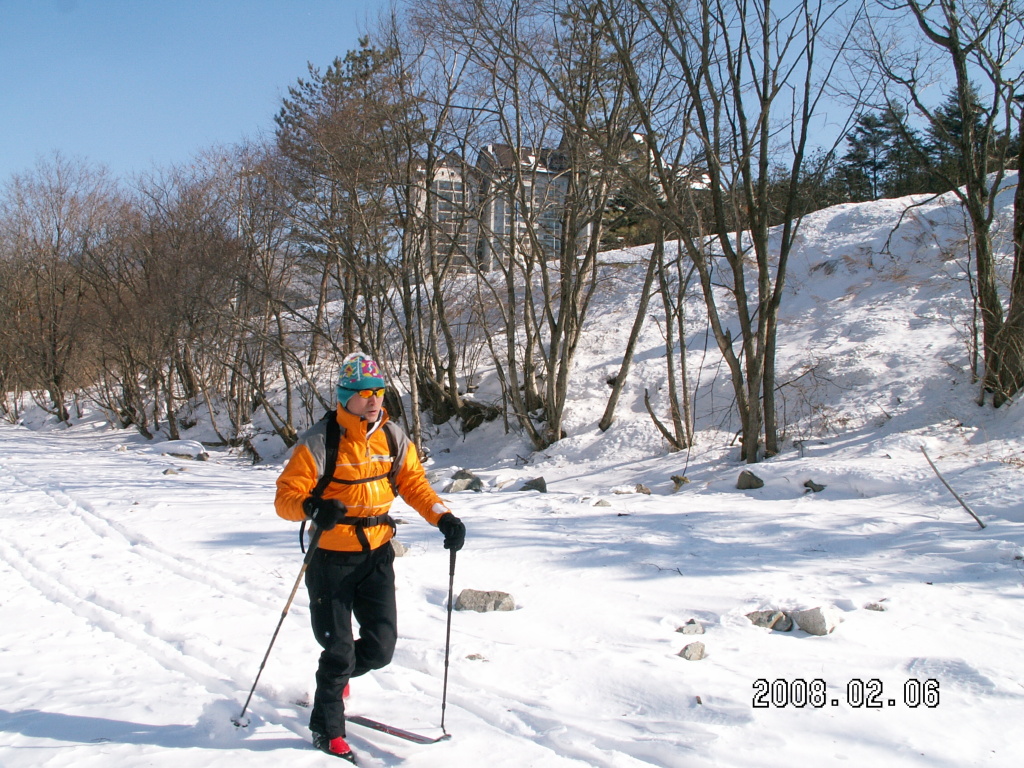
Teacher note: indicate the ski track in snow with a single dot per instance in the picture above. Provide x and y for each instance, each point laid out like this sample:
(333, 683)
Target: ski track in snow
(182, 565)
(108, 607)
(111, 616)
(101, 605)
(64, 518)
(137, 605)
(657, 564)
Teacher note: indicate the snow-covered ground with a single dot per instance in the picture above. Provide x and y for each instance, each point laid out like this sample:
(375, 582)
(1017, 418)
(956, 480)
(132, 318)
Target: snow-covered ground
(137, 603)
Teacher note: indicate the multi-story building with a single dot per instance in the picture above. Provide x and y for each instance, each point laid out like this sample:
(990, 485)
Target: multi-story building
(512, 203)
(522, 202)
(456, 226)
(508, 202)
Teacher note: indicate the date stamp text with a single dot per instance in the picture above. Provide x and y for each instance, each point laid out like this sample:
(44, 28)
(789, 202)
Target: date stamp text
(858, 694)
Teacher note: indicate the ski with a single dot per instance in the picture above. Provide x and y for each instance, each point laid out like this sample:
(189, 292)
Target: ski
(393, 731)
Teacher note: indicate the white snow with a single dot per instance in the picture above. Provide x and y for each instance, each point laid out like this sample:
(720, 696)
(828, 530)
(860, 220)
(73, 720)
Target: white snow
(136, 605)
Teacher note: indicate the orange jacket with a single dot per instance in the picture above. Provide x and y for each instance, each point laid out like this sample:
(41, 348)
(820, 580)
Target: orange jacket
(360, 455)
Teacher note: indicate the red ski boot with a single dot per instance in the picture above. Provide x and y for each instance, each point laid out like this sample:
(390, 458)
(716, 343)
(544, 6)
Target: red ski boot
(337, 747)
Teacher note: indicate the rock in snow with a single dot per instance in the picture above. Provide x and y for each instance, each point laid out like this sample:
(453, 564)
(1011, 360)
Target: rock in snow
(536, 484)
(484, 601)
(818, 621)
(464, 480)
(748, 481)
(771, 619)
(692, 627)
(693, 652)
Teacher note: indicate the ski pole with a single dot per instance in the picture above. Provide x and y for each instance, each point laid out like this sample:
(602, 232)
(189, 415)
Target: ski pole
(448, 637)
(313, 541)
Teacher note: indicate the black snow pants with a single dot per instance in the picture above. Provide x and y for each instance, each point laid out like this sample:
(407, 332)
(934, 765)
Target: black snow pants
(343, 585)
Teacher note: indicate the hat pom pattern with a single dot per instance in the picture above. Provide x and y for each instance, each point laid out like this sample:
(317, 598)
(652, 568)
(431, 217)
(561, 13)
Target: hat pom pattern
(359, 372)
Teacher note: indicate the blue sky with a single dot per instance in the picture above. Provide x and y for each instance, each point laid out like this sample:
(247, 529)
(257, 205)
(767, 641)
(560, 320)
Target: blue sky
(140, 84)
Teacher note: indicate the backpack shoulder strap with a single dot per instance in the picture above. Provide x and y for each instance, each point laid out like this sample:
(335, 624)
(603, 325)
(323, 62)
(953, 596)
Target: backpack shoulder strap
(332, 439)
(331, 442)
(398, 447)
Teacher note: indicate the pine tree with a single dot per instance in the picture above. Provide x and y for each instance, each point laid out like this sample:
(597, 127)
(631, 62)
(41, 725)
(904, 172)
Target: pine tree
(865, 163)
(945, 137)
(887, 158)
(906, 156)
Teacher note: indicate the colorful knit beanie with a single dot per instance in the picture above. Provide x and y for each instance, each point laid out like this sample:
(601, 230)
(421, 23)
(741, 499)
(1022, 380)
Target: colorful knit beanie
(358, 371)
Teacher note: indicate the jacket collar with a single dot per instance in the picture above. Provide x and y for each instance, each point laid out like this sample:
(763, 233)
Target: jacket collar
(355, 425)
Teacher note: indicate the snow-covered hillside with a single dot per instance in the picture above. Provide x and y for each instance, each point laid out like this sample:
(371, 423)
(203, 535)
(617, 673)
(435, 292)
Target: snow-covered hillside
(141, 588)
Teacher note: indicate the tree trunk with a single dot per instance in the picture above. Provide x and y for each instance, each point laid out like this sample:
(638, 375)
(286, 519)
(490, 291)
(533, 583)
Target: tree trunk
(674, 323)
(1008, 346)
(634, 334)
(321, 306)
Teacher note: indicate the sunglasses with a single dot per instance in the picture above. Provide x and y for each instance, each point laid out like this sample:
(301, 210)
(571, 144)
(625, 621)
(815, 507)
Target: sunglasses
(366, 394)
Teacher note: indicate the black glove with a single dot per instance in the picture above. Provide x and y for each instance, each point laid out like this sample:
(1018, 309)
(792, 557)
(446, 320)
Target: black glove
(454, 531)
(324, 512)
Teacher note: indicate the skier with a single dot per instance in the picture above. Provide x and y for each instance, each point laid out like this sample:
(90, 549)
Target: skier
(352, 571)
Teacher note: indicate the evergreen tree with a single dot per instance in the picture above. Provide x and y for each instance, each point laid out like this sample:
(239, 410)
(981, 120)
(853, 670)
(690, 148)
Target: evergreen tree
(906, 156)
(339, 133)
(865, 164)
(946, 135)
(886, 158)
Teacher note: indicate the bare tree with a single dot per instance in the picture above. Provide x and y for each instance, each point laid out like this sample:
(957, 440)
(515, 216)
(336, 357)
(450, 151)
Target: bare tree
(726, 93)
(339, 131)
(980, 42)
(13, 305)
(180, 262)
(126, 352)
(53, 216)
(265, 353)
(539, 90)
(431, 183)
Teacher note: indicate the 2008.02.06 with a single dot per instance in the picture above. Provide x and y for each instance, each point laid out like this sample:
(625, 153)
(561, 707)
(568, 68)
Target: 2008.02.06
(869, 694)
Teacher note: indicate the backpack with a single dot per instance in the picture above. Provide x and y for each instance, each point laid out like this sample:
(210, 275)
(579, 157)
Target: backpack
(398, 448)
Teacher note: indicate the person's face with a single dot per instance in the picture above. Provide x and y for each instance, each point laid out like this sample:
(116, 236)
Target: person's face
(366, 408)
